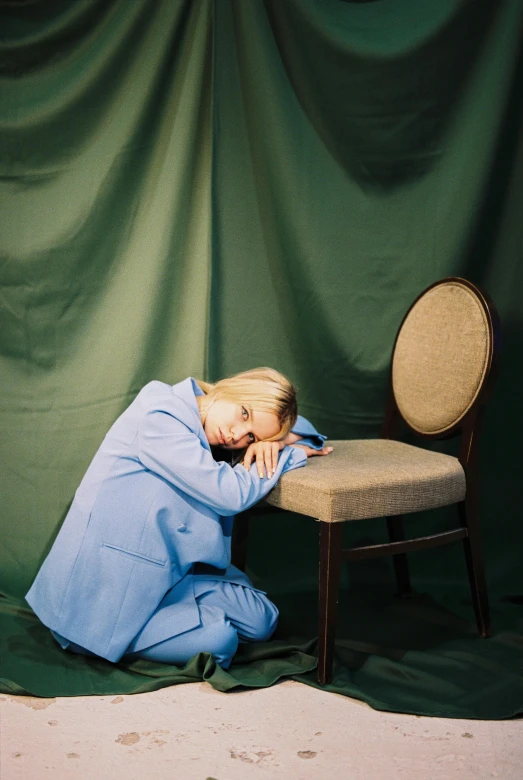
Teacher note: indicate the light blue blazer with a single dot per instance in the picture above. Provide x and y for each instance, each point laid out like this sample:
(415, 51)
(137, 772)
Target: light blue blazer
(152, 503)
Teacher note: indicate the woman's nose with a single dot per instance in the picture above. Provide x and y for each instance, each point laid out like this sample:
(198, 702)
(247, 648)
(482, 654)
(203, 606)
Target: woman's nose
(238, 432)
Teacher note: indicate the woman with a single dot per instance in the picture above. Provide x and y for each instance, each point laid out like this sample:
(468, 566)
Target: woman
(141, 566)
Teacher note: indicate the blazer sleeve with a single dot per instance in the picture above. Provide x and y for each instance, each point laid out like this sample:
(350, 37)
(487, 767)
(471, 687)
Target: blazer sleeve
(309, 434)
(166, 446)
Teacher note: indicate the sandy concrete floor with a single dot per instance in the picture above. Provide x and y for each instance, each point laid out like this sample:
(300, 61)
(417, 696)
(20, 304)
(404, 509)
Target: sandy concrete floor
(287, 731)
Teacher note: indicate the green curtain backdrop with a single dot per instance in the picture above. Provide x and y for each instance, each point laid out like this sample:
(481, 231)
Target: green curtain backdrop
(196, 187)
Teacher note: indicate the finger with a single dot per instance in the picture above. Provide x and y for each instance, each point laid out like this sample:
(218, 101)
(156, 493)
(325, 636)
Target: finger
(311, 452)
(267, 458)
(273, 459)
(259, 463)
(247, 459)
(275, 452)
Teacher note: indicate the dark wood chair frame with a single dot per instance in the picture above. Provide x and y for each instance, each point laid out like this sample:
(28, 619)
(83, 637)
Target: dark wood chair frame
(331, 552)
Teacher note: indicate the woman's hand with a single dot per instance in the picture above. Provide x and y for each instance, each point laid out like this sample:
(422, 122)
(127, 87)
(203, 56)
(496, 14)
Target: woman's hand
(310, 451)
(293, 439)
(265, 453)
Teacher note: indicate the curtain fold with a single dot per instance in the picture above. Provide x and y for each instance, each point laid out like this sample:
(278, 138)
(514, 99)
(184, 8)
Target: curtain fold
(105, 237)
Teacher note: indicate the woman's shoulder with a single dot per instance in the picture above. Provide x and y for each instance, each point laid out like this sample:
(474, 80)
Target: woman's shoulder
(155, 392)
(178, 400)
(156, 387)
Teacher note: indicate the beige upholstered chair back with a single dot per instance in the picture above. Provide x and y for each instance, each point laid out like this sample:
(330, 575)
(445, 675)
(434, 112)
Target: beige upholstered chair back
(442, 357)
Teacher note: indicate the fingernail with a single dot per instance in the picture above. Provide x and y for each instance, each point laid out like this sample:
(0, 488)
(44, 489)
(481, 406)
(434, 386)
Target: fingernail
(260, 474)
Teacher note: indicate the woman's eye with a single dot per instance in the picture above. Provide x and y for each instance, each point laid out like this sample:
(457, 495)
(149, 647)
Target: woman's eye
(252, 438)
(245, 413)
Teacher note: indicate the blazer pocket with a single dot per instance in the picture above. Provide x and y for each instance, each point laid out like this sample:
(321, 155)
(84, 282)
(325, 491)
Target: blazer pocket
(136, 556)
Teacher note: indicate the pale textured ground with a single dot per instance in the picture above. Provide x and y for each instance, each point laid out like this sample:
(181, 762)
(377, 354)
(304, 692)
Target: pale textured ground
(287, 731)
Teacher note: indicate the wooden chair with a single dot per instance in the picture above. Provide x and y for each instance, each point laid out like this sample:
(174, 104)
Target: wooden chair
(443, 365)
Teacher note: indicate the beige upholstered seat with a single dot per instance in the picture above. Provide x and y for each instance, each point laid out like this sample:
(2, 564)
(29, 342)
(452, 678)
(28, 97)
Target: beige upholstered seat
(370, 478)
(441, 356)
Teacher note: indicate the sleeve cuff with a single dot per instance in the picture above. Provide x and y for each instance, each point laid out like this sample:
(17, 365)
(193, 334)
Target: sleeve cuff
(309, 435)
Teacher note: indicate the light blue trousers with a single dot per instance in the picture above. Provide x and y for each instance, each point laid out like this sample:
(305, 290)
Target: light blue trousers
(229, 614)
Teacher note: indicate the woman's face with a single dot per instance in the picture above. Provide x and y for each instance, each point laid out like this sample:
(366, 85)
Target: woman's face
(234, 426)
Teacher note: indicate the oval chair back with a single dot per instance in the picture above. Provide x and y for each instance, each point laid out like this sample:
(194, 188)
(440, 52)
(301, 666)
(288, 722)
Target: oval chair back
(443, 357)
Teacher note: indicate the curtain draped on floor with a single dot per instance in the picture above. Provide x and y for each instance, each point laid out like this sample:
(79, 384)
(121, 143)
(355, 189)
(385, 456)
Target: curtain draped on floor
(196, 187)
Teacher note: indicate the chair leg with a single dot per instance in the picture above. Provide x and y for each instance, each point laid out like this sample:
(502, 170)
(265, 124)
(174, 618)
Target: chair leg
(329, 581)
(240, 539)
(469, 518)
(401, 566)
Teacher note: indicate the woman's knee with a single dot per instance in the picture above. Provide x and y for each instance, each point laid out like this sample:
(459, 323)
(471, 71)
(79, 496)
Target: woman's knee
(262, 619)
(250, 612)
(214, 635)
(218, 636)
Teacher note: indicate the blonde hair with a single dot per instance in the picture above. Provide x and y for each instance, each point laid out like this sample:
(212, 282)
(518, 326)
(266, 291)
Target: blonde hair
(260, 389)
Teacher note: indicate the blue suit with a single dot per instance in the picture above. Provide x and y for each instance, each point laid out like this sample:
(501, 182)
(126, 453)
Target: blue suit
(152, 505)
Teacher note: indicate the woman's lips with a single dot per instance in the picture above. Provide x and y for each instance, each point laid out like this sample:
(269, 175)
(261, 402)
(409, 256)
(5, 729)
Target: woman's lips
(221, 438)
